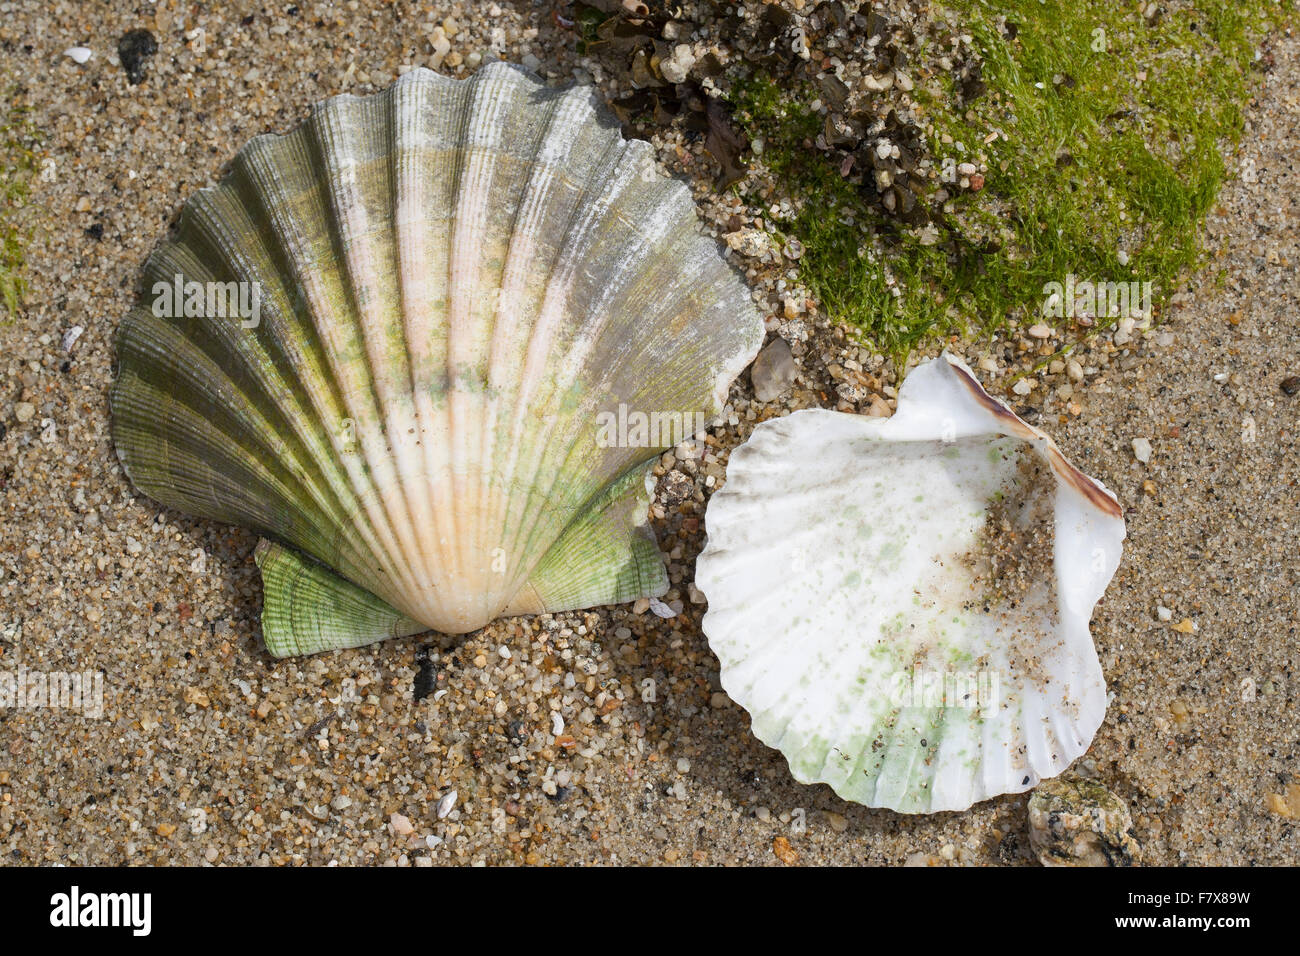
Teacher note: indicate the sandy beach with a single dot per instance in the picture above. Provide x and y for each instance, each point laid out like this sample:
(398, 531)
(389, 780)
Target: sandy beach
(210, 751)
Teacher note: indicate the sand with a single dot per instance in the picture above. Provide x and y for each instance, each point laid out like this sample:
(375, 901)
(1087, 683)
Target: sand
(208, 750)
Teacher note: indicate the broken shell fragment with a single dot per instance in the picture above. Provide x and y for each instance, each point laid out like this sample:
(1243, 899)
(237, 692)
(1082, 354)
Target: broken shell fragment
(392, 342)
(1078, 822)
(902, 604)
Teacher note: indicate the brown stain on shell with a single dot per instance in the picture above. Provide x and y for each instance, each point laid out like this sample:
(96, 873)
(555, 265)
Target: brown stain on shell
(1094, 493)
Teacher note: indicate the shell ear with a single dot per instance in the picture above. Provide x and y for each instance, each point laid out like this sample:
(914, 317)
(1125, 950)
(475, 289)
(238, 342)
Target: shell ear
(308, 608)
(607, 554)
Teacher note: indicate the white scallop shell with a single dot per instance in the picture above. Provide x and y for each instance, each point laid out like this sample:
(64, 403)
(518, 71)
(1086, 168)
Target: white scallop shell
(858, 616)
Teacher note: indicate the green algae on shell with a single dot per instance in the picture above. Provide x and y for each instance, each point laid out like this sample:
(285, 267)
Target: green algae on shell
(451, 282)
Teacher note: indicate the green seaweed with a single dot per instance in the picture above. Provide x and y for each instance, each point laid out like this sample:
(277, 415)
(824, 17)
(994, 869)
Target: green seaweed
(1091, 160)
(17, 166)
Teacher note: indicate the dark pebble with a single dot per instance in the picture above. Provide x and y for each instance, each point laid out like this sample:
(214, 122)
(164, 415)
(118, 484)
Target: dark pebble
(426, 678)
(676, 488)
(96, 232)
(1291, 385)
(133, 49)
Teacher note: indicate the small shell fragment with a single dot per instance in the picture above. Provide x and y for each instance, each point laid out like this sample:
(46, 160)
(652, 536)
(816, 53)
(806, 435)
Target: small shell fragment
(1078, 822)
(660, 609)
(446, 804)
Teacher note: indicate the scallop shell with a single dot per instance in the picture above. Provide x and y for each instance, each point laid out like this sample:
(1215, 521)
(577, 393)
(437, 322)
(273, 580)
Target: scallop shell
(902, 604)
(450, 287)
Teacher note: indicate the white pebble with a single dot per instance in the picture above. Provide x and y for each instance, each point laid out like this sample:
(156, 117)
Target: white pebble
(1142, 450)
(446, 804)
(78, 54)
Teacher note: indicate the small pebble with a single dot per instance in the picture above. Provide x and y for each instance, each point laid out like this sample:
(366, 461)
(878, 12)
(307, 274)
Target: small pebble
(134, 50)
(774, 371)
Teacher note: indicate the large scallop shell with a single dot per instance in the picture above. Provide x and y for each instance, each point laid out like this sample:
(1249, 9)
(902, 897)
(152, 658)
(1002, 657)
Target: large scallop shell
(902, 604)
(458, 283)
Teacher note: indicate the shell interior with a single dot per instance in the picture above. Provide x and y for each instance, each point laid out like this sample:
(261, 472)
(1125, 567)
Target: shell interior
(902, 604)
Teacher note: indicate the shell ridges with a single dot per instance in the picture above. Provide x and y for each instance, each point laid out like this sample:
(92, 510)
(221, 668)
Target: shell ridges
(454, 280)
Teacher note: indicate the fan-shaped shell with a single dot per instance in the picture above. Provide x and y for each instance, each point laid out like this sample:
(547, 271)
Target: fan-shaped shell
(902, 604)
(456, 284)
